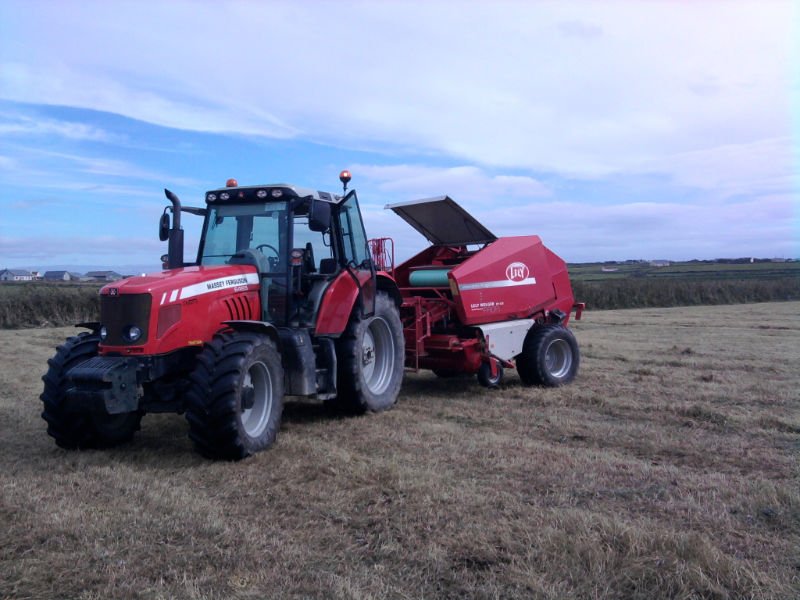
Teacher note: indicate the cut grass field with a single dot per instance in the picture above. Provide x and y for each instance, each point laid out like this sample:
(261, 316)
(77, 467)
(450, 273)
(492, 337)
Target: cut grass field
(669, 469)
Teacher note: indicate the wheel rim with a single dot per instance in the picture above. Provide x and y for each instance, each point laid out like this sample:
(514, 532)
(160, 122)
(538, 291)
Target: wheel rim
(377, 355)
(558, 358)
(255, 418)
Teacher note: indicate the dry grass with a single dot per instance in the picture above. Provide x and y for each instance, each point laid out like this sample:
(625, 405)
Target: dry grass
(668, 470)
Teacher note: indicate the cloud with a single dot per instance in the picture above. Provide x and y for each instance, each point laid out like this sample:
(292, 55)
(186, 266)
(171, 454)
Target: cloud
(581, 90)
(37, 168)
(7, 163)
(466, 183)
(21, 125)
(580, 29)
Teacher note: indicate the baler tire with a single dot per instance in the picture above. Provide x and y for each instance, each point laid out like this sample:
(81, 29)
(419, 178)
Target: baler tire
(366, 385)
(485, 376)
(79, 430)
(229, 368)
(550, 356)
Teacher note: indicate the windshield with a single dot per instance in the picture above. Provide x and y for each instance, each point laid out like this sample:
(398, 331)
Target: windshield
(231, 228)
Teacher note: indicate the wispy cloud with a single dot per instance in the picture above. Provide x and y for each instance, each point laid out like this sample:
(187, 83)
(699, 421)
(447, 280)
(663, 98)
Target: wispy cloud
(467, 183)
(25, 126)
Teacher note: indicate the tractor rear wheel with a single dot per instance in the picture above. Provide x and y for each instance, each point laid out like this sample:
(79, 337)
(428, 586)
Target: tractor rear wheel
(235, 396)
(371, 357)
(549, 357)
(70, 429)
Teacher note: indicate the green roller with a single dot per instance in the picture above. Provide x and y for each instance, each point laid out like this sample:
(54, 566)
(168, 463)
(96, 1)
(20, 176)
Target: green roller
(429, 278)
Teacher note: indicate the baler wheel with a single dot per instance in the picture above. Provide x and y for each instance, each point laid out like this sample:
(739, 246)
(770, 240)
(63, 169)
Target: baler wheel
(485, 375)
(74, 430)
(550, 356)
(370, 359)
(235, 396)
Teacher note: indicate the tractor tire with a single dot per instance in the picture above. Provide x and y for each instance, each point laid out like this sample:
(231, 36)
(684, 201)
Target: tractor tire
(485, 376)
(235, 397)
(550, 356)
(371, 357)
(79, 430)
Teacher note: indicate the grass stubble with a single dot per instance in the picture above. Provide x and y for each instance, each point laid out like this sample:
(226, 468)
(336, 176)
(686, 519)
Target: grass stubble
(669, 469)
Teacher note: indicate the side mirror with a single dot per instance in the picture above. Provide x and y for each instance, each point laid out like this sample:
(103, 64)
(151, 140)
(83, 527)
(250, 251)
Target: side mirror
(163, 227)
(319, 216)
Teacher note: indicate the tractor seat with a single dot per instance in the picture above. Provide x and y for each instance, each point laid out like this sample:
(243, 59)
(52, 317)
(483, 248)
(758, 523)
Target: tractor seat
(328, 266)
(248, 256)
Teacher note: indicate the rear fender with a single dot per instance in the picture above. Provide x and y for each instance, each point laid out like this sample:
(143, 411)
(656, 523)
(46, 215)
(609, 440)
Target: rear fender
(337, 305)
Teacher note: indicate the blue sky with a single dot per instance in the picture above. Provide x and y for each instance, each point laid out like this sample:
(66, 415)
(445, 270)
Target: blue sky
(613, 130)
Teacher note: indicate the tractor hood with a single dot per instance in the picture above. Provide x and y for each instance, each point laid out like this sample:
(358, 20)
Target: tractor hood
(174, 285)
(443, 222)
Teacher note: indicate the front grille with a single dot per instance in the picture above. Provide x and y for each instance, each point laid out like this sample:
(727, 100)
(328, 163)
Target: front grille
(117, 313)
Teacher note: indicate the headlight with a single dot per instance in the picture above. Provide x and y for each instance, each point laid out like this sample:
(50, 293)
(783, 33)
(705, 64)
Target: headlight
(133, 333)
(103, 333)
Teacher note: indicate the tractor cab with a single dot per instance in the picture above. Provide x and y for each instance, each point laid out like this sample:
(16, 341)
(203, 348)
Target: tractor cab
(299, 240)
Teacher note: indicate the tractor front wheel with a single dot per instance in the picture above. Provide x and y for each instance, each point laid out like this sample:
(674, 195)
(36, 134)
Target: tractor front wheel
(72, 429)
(371, 357)
(235, 396)
(549, 357)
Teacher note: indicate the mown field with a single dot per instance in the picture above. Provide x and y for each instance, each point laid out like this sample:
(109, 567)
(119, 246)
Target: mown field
(669, 469)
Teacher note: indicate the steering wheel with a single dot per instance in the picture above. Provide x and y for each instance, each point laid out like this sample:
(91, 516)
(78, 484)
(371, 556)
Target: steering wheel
(260, 246)
(273, 260)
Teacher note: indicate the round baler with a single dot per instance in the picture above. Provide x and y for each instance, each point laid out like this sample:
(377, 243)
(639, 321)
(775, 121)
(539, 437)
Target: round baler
(474, 303)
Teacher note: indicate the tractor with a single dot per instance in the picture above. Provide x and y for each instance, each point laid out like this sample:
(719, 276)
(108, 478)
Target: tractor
(283, 298)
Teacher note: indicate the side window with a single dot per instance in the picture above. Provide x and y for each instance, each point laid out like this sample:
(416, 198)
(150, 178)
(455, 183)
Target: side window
(302, 235)
(354, 239)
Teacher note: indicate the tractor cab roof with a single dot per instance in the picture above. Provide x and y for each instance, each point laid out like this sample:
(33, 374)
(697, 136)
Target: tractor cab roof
(443, 222)
(273, 192)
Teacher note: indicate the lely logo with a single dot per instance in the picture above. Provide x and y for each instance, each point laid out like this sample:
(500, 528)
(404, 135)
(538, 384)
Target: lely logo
(113, 292)
(517, 271)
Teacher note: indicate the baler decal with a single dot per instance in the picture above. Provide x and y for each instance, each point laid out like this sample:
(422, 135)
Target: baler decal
(482, 285)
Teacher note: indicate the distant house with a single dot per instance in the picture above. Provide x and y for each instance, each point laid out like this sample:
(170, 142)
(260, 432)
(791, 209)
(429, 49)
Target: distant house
(660, 263)
(61, 276)
(609, 269)
(15, 275)
(103, 275)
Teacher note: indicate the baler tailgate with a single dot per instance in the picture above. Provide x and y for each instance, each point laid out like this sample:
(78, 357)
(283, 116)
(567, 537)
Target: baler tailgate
(443, 222)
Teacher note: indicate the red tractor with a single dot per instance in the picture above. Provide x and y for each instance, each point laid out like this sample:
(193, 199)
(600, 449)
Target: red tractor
(283, 298)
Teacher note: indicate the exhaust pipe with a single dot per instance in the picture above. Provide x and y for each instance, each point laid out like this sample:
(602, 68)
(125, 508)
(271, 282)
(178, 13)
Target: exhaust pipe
(175, 247)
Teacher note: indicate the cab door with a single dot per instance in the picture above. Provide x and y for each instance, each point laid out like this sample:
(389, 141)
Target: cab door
(354, 250)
